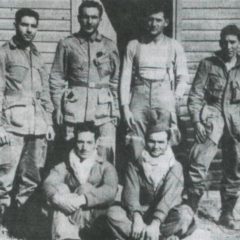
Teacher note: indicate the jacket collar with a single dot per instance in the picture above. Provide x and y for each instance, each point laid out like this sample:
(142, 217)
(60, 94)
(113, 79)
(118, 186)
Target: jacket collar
(14, 43)
(96, 37)
(219, 56)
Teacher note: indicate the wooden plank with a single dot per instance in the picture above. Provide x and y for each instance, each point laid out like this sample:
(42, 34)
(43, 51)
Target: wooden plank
(191, 56)
(199, 35)
(211, 4)
(200, 46)
(208, 24)
(48, 57)
(57, 14)
(55, 4)
(41, 36)
(210, 14)
(49, 25)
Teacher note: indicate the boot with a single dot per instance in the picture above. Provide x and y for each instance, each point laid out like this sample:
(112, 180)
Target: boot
(227, 218)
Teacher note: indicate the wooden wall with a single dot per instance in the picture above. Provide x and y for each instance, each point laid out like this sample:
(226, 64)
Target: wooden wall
(199, 25)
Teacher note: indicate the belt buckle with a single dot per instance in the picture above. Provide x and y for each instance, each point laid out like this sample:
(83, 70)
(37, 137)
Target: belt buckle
(91, 84)
(37, 95)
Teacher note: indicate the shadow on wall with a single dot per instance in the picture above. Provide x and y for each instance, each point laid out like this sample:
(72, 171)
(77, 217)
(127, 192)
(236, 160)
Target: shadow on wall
(127, 17)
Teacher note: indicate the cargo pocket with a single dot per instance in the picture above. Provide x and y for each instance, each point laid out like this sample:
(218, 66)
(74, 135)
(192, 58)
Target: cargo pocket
(70, 102)
(17, 72)
(16, 115)
(105, 101)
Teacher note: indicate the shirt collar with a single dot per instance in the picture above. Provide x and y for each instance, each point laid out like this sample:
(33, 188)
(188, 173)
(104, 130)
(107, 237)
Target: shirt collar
(14, 43)
(96, 37)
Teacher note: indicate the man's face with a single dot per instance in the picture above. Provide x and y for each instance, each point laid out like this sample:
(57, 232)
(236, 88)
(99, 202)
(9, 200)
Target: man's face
(156, 24)
(85, 145)
(157, 143)
(230, 45)
(26, 29)
(89, 20)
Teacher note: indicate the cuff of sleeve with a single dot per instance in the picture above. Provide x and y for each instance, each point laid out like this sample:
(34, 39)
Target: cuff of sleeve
(159, 215)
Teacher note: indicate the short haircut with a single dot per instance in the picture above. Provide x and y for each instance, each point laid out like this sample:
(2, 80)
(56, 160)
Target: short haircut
(25, 12)
(156, 6)
(230, 30)
(90, 4)
(167, 131)
(86, 127)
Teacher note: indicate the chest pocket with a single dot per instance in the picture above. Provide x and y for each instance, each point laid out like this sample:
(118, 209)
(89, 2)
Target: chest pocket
(103, 64)
(17, 72)
(214, 88)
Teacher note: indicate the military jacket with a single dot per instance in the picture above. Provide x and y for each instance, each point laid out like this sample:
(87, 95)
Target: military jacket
(25, 105)
(214, 98)
(85, 77)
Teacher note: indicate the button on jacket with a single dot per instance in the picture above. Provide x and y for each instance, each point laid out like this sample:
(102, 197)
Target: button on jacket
(85, 78)
(25, 105)
(215, 97)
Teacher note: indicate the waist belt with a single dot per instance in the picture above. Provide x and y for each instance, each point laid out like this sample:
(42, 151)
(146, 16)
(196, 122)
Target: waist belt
(90, 85)
(140, 81)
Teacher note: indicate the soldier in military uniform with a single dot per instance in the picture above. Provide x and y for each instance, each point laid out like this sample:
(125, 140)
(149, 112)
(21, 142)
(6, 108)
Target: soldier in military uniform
(155, 72)
(25, 112)
(84, 78)
(214, 105)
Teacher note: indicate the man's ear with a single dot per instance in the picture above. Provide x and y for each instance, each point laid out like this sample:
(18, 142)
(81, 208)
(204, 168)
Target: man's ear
(221, 43)
(15, 25)
(166, 22)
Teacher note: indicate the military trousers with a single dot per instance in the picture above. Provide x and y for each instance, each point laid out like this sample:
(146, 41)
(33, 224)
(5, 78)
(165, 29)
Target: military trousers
(151, 103)
(21, 163)
(201, 156)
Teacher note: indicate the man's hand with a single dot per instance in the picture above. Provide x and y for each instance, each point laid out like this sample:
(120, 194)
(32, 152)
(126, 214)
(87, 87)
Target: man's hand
(58, 117)
(128, 117)
(138, 227)
(4, 137)
(68, 203)
(50, 133)
(200, 132)
(152, 231)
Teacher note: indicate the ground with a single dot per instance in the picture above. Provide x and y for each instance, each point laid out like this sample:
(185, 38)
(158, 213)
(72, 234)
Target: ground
(208, 215)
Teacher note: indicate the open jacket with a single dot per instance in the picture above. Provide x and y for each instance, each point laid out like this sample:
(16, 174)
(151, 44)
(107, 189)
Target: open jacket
(214, 98)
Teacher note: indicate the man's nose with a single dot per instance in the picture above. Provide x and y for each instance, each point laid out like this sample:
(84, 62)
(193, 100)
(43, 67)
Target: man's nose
(29, 29)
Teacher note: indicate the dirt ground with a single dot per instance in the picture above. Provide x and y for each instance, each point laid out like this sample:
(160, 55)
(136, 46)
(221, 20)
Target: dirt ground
(208, 215)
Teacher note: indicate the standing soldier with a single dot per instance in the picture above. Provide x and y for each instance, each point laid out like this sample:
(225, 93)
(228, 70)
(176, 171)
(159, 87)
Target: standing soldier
(25, 112)
(155, 72)
(214, 104)
(84, 78)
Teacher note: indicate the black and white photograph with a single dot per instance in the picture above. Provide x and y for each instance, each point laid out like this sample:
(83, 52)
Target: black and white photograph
(119, 119)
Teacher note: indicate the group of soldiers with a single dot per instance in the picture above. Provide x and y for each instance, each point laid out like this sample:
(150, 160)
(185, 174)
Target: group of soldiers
(83, 96)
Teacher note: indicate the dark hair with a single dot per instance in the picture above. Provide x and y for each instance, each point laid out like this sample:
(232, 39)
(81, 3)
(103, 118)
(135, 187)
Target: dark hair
(156, 6)
(230, 30)
(86, 127)
(90, 4)
(26, 12)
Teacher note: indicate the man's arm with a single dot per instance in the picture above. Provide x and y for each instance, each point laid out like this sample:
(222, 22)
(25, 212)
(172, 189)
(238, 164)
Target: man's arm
(181, 70)
(106, 192)
(4, 137)
(197, 92)
(57, 80)
(114, 81)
